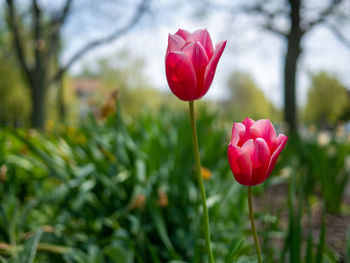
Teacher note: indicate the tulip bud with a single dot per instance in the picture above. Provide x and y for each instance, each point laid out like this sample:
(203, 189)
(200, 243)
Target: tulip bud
(190, 63)
(253, 151)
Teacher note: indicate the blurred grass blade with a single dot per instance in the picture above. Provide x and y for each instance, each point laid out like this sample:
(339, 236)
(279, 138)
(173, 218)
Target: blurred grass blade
(152, 251)
(348, 245)
(309, 245)
(321, 242)
(294, 235)
(30, 248)
(235, 250)
(161, 229)
(331, 256)
(53, 248)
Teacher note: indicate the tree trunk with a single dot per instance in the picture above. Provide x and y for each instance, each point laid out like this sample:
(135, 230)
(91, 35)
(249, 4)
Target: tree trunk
(38, 96)
(290, 69)
(290, 66)
(60, 100)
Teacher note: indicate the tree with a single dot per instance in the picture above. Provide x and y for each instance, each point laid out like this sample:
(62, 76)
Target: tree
(12, 90)
(36, 56)
(298, 19)
(246, 99)
(326, 100)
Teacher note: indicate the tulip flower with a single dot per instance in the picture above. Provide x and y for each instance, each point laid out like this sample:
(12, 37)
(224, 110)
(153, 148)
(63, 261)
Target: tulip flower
(253, 151)
(252, 155)
(190, 63)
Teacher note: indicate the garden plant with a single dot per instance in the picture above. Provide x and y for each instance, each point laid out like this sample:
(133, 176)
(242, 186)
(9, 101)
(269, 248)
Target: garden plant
(159, 187)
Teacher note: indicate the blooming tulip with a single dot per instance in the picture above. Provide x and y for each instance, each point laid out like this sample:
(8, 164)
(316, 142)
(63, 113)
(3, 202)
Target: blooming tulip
(253, 151)
(190, 63)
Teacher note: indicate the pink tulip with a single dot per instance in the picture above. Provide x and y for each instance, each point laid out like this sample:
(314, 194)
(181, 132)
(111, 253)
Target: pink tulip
(190, 63)
(253, 151)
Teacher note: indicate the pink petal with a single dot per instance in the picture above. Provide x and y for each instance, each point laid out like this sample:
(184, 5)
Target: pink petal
(248, 122)
(199, 58)
(246, 136)
(248, 147)
(183, 33)
(180, 75)
(240, 164)
(233, 153)
(260, 161)
(175, 43)
(211, 68)
(238, 130)
(203, 37)
(282, 140)
(265, 130)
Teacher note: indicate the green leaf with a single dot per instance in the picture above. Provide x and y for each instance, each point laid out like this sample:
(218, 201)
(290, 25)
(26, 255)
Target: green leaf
(235, 250)
(30, 248)
(321, 242)
(161, 229)
(348, 245)
(117, 254)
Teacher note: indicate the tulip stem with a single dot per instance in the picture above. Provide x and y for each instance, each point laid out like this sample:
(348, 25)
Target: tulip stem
(251, 214)
(201, 183)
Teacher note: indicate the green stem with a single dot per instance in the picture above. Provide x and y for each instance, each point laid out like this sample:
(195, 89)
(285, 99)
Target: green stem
(251, 214)
(201, 183)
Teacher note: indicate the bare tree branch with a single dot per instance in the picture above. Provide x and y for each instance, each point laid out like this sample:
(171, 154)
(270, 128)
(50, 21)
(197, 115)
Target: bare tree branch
(324, 14)
(17, 38)
(61, 17)
(38, 45)
(339, 35)
(56, 25)
(133, 21)
(269, 25)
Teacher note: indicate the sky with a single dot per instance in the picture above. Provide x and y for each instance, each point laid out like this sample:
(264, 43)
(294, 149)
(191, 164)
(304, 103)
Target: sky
(249, 49)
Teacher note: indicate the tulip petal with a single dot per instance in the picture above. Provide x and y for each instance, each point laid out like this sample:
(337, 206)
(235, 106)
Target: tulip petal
(238, 130)
(180, 75)
(199, 58)
(247, 122)
(282, 140)
(248, 147)
(240, 164)
(175, 43)
(265, 130)
(211, 68)
(260, 161)
(183, 34)
(233, 153)
(203, 37)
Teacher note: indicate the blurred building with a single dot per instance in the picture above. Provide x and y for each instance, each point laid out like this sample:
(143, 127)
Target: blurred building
(85, 88)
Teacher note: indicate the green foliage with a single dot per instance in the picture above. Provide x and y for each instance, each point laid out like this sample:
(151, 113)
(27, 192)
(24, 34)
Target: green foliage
(247, 100)
(326, 100)
(108, 191)
(100, 191)
(324, 162)
(12, 90)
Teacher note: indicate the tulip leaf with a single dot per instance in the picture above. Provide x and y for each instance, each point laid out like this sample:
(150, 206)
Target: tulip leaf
(234, 251)
(30, 248)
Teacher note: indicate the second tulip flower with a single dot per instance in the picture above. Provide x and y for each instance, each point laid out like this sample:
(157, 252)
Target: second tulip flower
(253, 151)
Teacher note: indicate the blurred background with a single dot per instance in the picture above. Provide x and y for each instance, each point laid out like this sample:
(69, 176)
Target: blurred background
(94, 148)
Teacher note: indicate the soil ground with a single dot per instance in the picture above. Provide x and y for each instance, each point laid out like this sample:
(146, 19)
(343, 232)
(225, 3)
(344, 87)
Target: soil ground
(275, 202)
